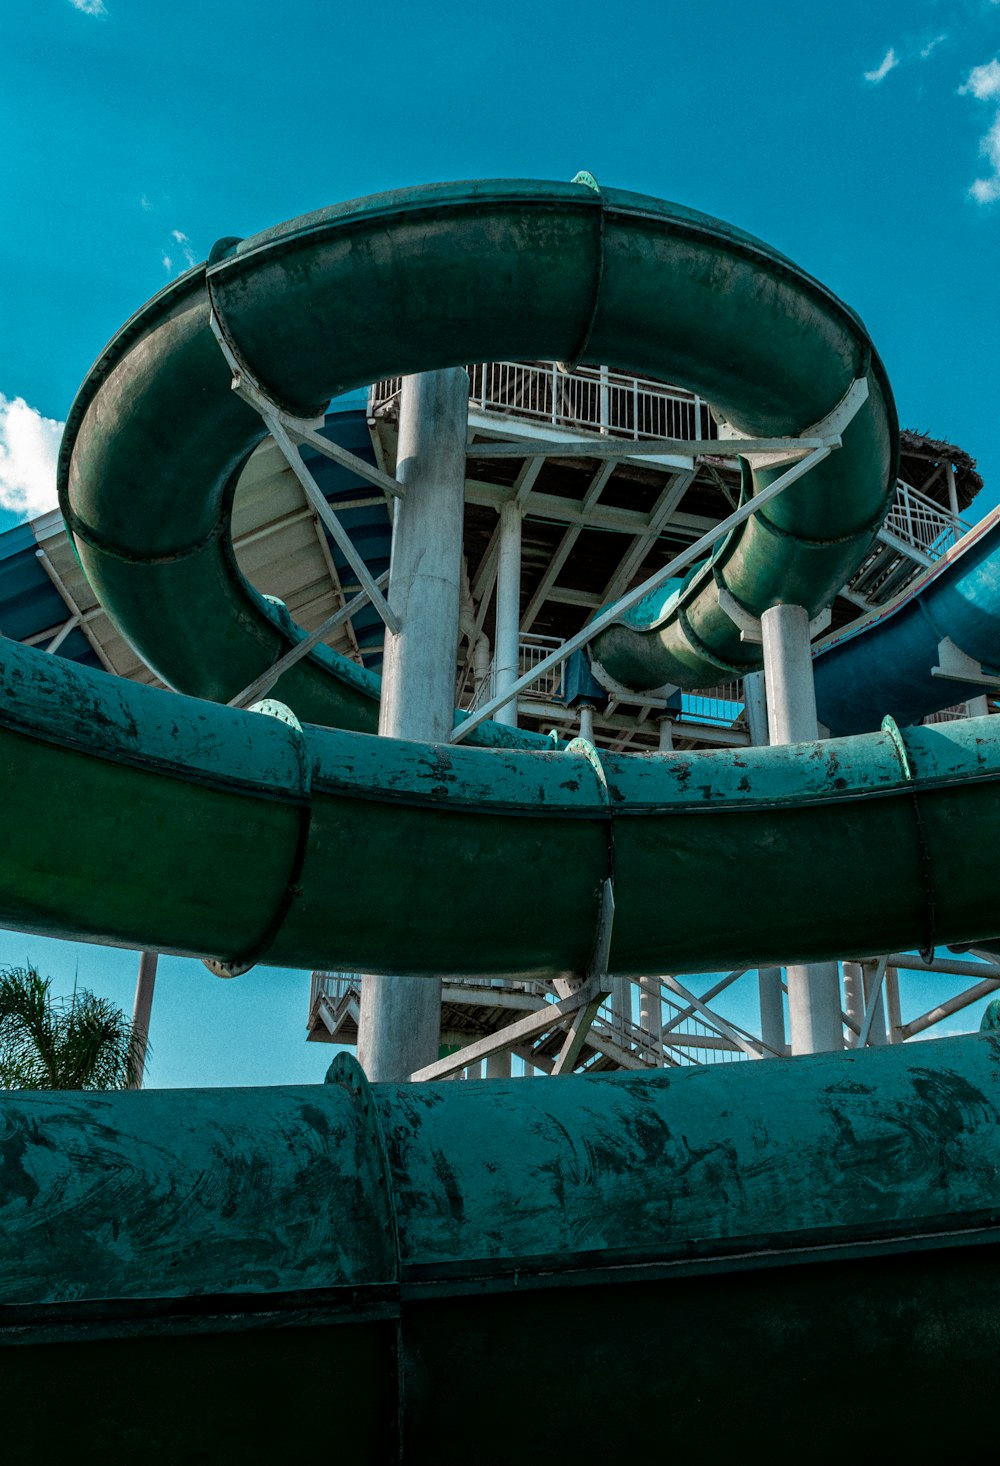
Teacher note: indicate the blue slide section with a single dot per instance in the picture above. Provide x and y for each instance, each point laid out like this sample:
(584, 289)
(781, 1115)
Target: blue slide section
(884, 662)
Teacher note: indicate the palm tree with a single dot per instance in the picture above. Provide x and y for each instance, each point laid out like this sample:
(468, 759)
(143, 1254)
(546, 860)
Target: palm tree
(83, 1042)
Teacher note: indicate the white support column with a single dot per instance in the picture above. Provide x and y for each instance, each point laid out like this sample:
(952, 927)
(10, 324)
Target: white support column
(621, 1008)
(755, 702)
(142, 1008)
(854, 995)
(506, 643)
(650, 1009)
(772, 1009)
(666, 740)
(587, 722)
(400, 1020)
(814, 991)
(498, 1066)
(952, 489)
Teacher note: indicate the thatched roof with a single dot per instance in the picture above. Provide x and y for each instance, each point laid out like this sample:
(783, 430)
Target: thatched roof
(922, 462)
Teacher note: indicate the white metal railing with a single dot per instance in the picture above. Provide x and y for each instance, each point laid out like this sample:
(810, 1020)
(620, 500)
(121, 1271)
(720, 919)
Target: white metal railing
(920, 521)
(619, 405)
(669, 1045)
(533, 648)
(590, 398)
(333, 986)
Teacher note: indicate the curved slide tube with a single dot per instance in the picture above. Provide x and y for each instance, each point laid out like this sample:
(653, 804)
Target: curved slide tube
(152, 819)
(684, 1237)
(883, 663)
(425, 278)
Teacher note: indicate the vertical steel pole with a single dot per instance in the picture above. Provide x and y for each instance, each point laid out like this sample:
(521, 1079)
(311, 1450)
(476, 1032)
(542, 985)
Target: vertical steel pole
(952, 489)
(651, 1011)
(142, 1008)
(506, 643)
(498, 1065)
(854, 994)
(814, 991)
(772, 1009)
(400, 1020)
(769, 991)
(755, 703)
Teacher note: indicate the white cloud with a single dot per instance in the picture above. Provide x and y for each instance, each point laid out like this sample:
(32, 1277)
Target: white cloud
(889, 60)
(89, 7)
(184, 244)
(933, 45)
(29, 446)
(145, 204)
(983, 81)
(168, 263)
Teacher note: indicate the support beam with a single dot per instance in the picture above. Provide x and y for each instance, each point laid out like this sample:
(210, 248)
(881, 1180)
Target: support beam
(614, 613)
(562, 551)
(814, 991)
(506, 642)
(513, 1038)
(772, 1008)
(631, 562)
(142, 1008)
(400, 1020)
(873, 1032)
(755, 704)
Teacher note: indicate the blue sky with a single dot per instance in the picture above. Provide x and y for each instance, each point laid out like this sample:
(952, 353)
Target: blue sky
(863, 140)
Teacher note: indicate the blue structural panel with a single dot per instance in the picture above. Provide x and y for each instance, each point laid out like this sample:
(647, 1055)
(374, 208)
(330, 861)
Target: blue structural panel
(884, 663)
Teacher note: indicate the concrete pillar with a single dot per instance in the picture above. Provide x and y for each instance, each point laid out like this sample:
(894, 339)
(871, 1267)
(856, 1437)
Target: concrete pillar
(978, 707)
(755, 701)
(666, 735)
(587, 722)
(854, 994)
(506, 643)
(498, 1065)
(650, 1009)
(772, 1009)
(400, 1021)
(788, 675)
(814, 991)
(142, 1008)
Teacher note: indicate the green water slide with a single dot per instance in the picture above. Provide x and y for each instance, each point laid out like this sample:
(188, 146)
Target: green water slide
(673, 1241)
(426, 278)
(172, 822)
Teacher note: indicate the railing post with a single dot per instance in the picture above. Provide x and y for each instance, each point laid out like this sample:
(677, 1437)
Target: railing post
(555, 393)
(605, 401)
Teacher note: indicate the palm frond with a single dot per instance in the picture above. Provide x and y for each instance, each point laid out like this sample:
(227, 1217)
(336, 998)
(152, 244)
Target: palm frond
(50, 1043)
